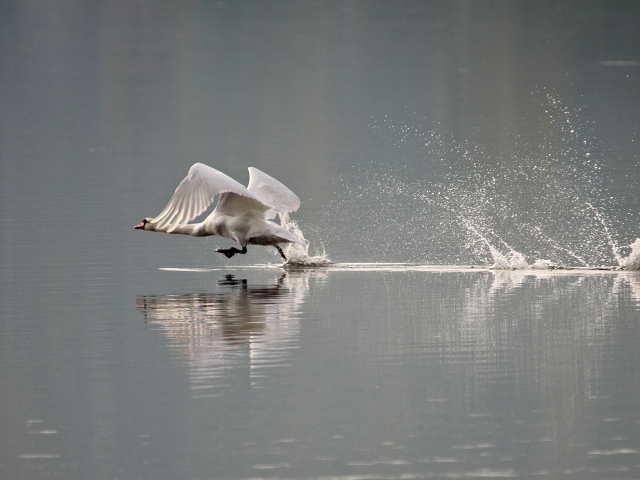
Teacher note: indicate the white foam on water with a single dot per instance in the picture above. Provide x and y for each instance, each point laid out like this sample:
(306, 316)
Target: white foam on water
(298, 255)
(540, 268)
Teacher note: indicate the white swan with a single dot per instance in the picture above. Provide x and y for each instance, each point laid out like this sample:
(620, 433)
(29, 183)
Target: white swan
(242, 214)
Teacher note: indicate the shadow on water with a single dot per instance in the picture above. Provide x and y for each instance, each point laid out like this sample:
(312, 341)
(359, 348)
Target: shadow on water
(220, 331)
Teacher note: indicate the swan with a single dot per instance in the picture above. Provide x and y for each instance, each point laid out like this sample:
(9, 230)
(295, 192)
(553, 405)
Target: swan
(243, 214)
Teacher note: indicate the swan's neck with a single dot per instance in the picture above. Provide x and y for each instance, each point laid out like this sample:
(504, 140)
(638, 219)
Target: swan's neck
(189, 229)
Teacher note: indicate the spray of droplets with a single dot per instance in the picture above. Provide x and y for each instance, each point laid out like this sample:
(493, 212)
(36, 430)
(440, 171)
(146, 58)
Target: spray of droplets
(539, 204)
(298, 255)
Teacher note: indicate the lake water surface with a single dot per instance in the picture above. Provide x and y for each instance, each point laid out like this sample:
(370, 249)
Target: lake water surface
(470, 168)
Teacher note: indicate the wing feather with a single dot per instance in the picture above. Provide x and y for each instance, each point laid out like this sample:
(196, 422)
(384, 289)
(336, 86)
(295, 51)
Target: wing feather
(197, 191)
(271, 192)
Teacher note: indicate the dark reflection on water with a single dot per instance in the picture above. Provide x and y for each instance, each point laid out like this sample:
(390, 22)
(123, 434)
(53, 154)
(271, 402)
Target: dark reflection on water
(244, 323)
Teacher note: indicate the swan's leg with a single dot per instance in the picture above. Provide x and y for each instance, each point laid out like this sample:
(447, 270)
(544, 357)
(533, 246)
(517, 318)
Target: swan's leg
(281, 252)
(230, 252)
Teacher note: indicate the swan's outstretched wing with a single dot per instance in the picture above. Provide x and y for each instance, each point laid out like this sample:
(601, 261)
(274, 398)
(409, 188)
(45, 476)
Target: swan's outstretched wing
(271, 192)
(196, 192)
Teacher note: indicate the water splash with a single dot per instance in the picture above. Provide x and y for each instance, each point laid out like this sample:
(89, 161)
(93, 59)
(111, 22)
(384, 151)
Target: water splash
(541, 202)
(513, 260)
(298, 255)
(632, 262)
(605, 228)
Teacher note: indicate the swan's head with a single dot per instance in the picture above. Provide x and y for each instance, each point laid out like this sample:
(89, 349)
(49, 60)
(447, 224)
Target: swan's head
(143, 224)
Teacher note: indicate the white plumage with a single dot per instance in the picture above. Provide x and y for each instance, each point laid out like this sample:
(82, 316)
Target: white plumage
(242, 214)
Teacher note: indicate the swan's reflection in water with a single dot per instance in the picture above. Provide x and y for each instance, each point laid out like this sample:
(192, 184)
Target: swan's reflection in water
(240, 326)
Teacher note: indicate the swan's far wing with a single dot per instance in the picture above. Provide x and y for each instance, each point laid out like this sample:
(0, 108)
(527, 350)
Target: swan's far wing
(271, 192)
(235, 205)
(196, 192)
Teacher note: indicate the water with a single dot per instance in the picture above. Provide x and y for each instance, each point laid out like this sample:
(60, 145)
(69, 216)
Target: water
(468, 302)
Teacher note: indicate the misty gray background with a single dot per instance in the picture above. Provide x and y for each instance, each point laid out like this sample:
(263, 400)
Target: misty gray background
(388, 119)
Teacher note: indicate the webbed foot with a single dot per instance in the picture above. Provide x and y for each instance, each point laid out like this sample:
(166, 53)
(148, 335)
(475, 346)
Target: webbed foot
(230, 252)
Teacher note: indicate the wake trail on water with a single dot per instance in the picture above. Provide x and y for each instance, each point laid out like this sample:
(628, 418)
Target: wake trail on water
(539, 201)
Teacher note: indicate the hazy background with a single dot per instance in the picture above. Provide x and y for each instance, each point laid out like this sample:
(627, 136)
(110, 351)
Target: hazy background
(372, 112)
(105, 106)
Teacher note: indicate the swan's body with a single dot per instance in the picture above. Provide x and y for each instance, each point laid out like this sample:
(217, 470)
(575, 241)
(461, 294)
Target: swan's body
(242, 214)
